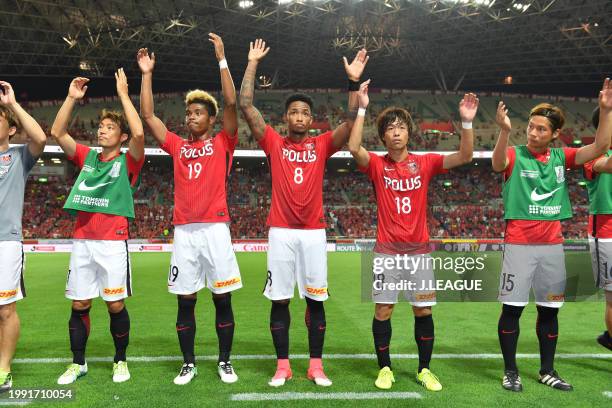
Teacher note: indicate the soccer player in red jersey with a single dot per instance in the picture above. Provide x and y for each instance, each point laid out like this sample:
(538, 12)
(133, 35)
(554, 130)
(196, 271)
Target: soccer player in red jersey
(203, 254)
(536, 198)
(598, 172)
(297, 242)
(102, 198)
(401, 180)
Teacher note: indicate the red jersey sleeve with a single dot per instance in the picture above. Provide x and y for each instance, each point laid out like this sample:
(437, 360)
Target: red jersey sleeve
(436, 164)
(328, 139)
(570, 157)
(229, 142)
(173, 141)
(79, 155)
(269, 139)
(373, 166)
(511, 155)
(134, 167)
(589, 171)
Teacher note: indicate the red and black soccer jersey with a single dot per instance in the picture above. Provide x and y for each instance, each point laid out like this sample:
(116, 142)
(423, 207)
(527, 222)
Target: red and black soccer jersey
(297, 179)
(200, 174)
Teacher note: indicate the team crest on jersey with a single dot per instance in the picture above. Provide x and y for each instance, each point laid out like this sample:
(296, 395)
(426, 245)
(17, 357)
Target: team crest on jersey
(560, 171)
(116, 170)
(309, 146)
(413, 167)
(6, 159)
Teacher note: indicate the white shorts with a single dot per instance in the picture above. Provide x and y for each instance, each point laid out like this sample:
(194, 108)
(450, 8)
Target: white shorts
(203, 256)
(99, 268)
(12, 263)
(601, 258)
(296, 255)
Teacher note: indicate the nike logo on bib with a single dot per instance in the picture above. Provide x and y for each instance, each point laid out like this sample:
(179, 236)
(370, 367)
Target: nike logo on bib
(85, 187)
(539, 197)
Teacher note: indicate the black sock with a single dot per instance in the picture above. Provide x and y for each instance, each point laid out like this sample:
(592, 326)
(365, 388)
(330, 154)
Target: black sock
(186, 328)
(224, 322)
(120, 330)
(279, 327)
(547, 329)
(508, 331)
(316, 324)
(78, 330)
(424, 337)
(381, 329)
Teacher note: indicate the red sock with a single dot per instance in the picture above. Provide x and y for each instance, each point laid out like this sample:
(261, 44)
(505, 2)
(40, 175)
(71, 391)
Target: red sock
(283, 363)
(316, 363)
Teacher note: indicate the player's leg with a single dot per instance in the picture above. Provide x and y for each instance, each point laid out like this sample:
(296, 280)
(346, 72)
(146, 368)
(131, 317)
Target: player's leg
(549, 289)
(279, 288)
(185, 279)
(601, 256)
(12, 289)
(520, 263)
(311, 271)
(424, 337)
(81, 287)
(381, 331)
(222, 277)
(606, 338)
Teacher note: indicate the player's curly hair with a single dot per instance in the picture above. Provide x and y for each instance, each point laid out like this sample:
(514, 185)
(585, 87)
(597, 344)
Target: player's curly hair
(204, 98)
(117, 117)
(8, 114)
(299, 97)
(389, 116)
(554, 114)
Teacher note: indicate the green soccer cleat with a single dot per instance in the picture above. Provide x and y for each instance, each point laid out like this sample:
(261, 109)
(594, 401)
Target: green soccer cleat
(72, 373)
(428, 380)
(385, 379)
(6, 381)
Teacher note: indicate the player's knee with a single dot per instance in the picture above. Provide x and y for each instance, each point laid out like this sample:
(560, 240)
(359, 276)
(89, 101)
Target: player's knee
(383, 312)
(421, 311)
(222, 297)
(280, 310)
(115, 307)
(547, 313)
(280, 302)
(609, 298)
(512, 311)
(81, 304)
(7, 312)
(192, 296)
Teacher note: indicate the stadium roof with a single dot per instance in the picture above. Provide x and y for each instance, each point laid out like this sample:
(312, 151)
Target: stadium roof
(435, 44)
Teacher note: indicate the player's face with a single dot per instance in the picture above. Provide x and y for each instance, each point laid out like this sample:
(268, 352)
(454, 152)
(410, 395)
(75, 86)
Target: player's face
(298, 117)
(540, 132)
(396, 135)
(109, 134)
(197, 119)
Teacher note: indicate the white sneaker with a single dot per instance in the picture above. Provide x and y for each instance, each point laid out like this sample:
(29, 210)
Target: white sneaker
(226, 372)
(120, 372)
(73, 373)
(188, 371)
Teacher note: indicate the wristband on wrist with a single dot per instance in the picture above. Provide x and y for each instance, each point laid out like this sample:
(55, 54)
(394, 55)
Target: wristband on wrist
(466, 125)
(223, 63)
(361, 112)
(353, 85)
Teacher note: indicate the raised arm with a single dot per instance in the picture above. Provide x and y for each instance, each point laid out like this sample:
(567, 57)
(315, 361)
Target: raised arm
(467, 111)
(360, 154)
(353, 71)
(37, 138)
(604, 130)
(253, 117)
(59, 130)
(146, 63)
(500, 161)
(230, 114)
(136, 146)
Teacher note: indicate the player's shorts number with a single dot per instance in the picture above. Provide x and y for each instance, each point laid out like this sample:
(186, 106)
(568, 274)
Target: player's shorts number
(298, 175)
(194, 168)
(403, 205)
(173, 274)
(507, 282)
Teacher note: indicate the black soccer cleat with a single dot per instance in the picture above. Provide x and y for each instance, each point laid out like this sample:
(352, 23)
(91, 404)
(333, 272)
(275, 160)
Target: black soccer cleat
(605, 340)
(512, 381)
(553, 380)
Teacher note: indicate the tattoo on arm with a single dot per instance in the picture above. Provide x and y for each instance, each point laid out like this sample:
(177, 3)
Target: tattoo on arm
(251, 114)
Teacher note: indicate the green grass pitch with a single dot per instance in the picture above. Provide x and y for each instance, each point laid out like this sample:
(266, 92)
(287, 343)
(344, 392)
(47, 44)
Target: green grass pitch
(461, 328)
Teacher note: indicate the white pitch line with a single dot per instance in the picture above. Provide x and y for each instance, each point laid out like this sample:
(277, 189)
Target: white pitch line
(15, 402)
(151, 359)
(289, 396)
(607, 394)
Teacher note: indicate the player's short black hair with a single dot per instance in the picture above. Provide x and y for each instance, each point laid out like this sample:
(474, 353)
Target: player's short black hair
(389, 116)
(595, 118)
(554, 114)
(299, 97)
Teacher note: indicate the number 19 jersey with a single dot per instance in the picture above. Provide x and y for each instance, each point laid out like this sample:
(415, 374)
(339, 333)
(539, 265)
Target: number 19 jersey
(401, 198)
(200, 174)
(297, 171)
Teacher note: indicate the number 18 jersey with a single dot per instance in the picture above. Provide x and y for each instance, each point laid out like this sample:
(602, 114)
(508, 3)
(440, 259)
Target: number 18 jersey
(297, 171)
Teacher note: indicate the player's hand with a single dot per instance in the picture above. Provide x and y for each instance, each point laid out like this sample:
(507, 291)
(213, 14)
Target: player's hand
(364, 99)
(605, 96)
(78, 88)
(146, 61)
(258, 50)
(501, 117)
(218, 43)
(468, 107)
(122, 83)
(355, 68)
(7, 96)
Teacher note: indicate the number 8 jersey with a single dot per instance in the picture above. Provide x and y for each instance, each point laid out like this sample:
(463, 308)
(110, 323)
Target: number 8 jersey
(200, 174)
(297, 171)
(401, 198)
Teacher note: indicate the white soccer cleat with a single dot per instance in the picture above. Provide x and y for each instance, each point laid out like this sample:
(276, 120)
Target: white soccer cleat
(226, 372)
(120, 372)
(318, 377)
(72, 373)
(280, 377)
(188, 371)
